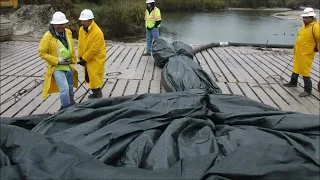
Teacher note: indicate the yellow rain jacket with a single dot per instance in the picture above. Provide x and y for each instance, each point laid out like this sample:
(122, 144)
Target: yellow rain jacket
(48, 50)
(92, 49)
(304, 49)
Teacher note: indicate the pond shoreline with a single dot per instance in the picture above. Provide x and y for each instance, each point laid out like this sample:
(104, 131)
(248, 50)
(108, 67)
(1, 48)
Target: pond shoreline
(282, 13)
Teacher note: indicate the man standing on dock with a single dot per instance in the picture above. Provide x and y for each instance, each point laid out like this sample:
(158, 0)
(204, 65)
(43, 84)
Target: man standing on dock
(57, 49)
(152, 23)
(92, 52)
(307, 44)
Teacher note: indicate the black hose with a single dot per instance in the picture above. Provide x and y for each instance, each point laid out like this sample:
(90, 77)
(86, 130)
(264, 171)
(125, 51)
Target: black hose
(224, 44)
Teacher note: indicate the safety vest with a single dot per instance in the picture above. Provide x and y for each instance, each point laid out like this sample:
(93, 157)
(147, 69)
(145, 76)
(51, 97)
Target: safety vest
(64, 53)
(152, 17)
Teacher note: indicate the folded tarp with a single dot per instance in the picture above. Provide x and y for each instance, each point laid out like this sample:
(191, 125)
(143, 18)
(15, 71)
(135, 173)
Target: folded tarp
(180, 72)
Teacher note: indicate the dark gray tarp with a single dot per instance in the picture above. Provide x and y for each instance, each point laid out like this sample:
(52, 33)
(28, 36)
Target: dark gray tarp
(179, 135)
(180, 71)
(193, 133)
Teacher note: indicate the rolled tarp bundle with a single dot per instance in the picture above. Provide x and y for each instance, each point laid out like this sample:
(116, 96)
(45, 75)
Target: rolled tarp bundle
(180, 72)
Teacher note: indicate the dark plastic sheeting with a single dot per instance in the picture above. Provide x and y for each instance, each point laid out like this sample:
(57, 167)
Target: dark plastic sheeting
(192, 132)
(179, 135)
(180, 71)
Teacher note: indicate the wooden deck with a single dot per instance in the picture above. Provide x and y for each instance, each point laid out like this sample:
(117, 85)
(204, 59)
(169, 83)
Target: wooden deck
(237, 70)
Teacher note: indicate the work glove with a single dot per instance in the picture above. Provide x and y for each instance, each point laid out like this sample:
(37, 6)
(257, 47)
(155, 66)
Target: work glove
(63, 61)
(82, 62)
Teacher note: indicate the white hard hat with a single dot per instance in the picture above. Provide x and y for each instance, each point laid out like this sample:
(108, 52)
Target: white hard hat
(150, 1)
(308, 12)
(59, 18)
(86, 14)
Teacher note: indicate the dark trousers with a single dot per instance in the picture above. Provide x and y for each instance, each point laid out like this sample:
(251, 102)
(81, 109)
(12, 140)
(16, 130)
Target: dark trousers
(306, 79)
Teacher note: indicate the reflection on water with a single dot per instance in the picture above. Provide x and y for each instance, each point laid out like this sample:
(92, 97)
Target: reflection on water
(230, 26)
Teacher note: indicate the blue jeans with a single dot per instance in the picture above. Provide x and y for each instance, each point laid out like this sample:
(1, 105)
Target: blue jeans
(64, 80)
(151, 35)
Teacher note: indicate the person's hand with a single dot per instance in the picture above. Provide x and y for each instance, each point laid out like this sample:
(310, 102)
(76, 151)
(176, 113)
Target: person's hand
(82, 62)
(64, 61)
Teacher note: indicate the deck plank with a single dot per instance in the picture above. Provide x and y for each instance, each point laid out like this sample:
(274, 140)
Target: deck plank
(17, 58)
(248, 92)
(114, 56)
(13, 85)
(230, 66)
(222, 66)
(120, 88)
(139, 74)
(223, 88)
(123, 54)
(304, 101)
(217, 73)
(46, 104)
(21, 62)
(157, 73)
(7, 99)
(240, 72)
(25, 100)
(148, 73)
(249, 68)
(108, 87)
(135, 61)
(12, 56)
(6, 81)
(292, 101)
(132, 87)
(155, 86)
(143, 87)
(235, 89)
(203, 63)
(264, 97)
(129, 57)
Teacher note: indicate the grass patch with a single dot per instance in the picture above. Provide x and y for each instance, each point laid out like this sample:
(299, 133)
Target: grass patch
(118, 19)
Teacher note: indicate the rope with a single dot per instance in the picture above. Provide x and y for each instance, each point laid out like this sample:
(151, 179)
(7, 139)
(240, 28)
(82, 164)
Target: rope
(22, 92)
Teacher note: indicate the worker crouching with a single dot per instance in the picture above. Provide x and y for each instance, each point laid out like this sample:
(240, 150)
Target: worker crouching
(57, 49)
(92, 52)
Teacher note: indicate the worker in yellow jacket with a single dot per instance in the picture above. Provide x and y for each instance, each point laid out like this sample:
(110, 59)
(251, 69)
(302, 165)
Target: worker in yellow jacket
(307, 44)
(152, 19)
(57, 49)
(92, 52)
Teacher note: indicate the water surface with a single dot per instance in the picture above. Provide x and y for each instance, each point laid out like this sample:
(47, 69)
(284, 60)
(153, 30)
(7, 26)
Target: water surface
(228, 26)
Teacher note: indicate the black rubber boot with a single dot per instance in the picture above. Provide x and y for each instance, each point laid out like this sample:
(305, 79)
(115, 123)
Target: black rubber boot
(293, 82)
(307, 84)
(96, 93)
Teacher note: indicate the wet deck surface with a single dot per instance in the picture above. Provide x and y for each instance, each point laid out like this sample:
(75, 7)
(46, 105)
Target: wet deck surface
(237, 70)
